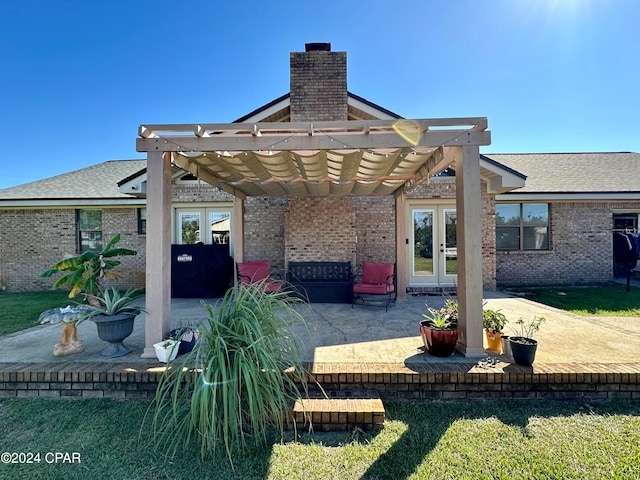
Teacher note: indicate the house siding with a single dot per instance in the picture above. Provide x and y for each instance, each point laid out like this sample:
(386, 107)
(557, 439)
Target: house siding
(32, 240)
(581, 248)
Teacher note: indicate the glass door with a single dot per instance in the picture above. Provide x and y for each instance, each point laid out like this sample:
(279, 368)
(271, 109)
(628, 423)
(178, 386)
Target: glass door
(207, 225)
(433, 253)
(449, 246)
(421, 256)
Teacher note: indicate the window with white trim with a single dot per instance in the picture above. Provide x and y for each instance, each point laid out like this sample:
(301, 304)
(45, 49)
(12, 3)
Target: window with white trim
(522, 226)
(89, 224)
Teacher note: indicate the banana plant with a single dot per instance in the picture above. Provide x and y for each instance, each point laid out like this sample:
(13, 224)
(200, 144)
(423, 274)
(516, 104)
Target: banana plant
(84, 272)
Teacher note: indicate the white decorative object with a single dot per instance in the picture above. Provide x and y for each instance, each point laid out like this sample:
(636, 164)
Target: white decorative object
(166, 350)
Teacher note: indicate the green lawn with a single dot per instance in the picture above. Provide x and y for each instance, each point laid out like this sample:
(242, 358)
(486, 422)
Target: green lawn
(606, 300)
(425, 265)
(20, 310)
(510, 439)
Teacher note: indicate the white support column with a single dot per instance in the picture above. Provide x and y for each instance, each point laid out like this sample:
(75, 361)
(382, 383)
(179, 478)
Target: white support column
(469, 233)
(158, 269)
(238, 234)
(401, 247)
(238, 229)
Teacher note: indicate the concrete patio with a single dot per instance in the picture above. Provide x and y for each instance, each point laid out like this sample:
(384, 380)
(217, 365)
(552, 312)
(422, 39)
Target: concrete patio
(336, 333)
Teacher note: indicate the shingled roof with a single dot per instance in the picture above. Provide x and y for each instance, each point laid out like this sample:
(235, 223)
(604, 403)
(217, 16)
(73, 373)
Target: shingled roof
(583, 173)
(97, 182)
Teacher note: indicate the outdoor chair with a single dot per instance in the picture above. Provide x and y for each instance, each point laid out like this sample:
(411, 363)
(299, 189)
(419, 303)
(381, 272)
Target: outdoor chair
(377, 286)
(258, 272)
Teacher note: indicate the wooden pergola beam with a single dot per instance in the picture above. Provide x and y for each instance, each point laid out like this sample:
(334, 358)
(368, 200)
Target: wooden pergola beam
(318, 141)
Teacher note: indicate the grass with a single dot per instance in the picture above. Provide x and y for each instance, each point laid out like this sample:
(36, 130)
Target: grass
(605, 300)
(20, 310)
(515, 439)
(424, 266)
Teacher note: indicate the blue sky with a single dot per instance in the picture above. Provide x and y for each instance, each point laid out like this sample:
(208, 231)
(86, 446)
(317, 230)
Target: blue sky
(79, 77)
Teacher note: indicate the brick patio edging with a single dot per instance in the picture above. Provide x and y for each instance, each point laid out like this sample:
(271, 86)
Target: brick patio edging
(392, 381)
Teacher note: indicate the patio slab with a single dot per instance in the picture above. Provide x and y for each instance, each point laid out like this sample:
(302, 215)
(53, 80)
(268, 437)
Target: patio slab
(336, 333)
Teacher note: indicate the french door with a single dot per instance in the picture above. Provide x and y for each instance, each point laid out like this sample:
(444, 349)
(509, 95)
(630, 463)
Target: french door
(432, 252)
(208, 225)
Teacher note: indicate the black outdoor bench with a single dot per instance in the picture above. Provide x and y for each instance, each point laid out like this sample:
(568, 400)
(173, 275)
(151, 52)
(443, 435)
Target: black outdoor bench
(321, 282)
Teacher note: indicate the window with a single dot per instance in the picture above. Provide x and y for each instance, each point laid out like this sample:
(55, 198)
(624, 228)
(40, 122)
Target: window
(89, 230)
(142, 221)
(522, 226)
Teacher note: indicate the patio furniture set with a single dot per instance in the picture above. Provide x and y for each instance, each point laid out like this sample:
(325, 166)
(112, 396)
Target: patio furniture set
(327, 282)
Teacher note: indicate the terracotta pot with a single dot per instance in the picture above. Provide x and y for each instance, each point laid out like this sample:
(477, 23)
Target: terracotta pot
(439, 343)
(494, 341)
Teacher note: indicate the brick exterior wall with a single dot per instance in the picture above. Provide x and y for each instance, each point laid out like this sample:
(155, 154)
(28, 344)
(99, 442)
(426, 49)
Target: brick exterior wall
(318, 86)
(581, 248)
(375, 230)
(320, 229)
(264, 230)
(34, 239)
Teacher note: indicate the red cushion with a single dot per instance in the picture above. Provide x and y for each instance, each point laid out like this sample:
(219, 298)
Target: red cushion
(378, 273)
(250, 272)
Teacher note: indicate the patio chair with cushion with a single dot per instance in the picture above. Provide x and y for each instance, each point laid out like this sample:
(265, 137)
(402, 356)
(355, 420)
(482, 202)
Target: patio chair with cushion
(257, 272)
(377, 286)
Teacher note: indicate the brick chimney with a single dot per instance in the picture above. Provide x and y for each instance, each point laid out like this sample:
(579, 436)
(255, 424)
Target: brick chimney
(318, 84)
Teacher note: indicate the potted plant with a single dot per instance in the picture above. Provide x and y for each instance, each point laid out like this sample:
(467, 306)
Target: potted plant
(439, 329)
(166, 350)
(523, 346)
(114, 316)
(240, 379)
(493, 322)
(83, 274)
(187, 336)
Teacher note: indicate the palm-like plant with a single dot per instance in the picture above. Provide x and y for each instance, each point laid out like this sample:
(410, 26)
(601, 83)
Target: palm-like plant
(238, 382)
(83, 272)
(113, 302)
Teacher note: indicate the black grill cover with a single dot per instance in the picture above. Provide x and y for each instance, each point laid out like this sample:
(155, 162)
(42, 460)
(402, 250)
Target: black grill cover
(200, 271)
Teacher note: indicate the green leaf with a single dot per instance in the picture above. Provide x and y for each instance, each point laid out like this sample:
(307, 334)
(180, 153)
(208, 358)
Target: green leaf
(118, 252)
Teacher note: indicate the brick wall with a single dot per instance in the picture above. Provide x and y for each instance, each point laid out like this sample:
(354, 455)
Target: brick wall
(375, 229)
(32, 240)
(428, 381)
(318, 86)
(320, 229)
(264, 229)
(581, 248)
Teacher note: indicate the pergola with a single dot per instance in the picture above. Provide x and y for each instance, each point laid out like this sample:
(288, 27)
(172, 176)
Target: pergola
(379, 157)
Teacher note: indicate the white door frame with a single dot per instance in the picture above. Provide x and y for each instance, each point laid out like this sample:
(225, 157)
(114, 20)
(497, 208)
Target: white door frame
(438, 276)
(203, 211)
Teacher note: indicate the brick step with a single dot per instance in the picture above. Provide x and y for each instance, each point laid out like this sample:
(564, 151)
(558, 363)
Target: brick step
(340, 410)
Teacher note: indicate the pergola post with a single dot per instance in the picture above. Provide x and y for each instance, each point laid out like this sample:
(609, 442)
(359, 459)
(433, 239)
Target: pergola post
(158, 269)
(238, 229)
(469, 236)
(401, 247)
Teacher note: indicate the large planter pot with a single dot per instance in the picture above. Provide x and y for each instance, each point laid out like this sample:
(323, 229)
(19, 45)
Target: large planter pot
(114, 329)
(494, 341)
(439, 343)
(523, 350)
